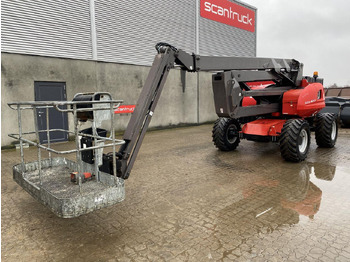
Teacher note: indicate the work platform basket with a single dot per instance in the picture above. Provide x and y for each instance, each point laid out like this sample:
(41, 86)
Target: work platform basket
(49, 178)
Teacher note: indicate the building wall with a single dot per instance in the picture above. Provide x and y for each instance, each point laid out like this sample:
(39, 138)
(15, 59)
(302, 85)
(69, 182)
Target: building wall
(18, 73)
(117, 31)
(127, 32)
(48, 28)
(107, 45)
(219, 39)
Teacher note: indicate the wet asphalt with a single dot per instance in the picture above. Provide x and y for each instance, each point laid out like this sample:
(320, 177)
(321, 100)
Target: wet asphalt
(187, 201)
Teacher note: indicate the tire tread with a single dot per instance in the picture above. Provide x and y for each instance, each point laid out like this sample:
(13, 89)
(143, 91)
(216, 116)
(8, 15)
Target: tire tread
(219, 134)
(289, 140)
(323, 130)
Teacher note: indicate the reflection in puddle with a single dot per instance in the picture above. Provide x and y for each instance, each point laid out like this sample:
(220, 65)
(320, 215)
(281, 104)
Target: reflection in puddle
(294, 192)
(270, 201)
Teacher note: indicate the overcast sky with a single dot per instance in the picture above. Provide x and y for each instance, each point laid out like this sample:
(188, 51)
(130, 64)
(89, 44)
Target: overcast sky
(315, 32)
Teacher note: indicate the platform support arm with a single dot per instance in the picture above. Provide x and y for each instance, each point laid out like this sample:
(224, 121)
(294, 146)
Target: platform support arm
(141, 117)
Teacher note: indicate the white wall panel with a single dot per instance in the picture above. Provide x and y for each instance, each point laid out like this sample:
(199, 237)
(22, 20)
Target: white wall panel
(57, 28)
(127, 31)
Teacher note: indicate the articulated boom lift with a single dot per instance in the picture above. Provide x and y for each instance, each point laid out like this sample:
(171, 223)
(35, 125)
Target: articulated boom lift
(284, 110)
(259, 99)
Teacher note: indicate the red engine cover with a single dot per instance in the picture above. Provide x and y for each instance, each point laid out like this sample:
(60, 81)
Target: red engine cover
(304, 102)
(264, 127)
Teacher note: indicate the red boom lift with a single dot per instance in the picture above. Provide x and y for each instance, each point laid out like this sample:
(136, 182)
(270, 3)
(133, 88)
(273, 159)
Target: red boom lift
(259, 99)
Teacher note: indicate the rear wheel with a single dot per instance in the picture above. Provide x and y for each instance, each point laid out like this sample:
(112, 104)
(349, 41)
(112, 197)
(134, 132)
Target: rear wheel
(295, 140)
(226, 133)
(326, 130)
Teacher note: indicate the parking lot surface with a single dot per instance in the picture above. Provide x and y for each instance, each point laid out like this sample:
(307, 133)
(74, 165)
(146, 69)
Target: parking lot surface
(187, 201)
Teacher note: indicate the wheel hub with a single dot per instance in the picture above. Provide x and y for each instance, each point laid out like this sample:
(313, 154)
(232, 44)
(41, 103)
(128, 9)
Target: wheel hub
(231, 134)
(303, 141)
(334, 130)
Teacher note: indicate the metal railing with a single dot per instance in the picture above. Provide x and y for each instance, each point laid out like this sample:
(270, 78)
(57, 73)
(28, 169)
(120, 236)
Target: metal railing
(74, 107)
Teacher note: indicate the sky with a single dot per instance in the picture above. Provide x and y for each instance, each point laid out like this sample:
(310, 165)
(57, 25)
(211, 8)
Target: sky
(314, 32)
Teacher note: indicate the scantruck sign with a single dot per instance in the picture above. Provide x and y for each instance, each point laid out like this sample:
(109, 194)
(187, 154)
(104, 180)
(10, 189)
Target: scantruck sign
(228, 13)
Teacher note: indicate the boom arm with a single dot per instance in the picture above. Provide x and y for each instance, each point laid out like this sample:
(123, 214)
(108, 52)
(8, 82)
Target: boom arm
(144, 109)
(282, 71)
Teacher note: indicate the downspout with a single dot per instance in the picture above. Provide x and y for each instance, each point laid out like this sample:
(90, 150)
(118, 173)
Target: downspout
(197, 52)
(93, 30)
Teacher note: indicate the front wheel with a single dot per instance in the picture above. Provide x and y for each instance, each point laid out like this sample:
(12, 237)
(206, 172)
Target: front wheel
(226, 133)
(295, 140)
(326, 129)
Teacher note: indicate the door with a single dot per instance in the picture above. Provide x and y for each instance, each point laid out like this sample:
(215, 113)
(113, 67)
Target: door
(51, 91)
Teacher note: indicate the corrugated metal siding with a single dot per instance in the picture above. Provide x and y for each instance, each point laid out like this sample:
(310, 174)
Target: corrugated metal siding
(57, 28)
(223, 40)
(128, 30)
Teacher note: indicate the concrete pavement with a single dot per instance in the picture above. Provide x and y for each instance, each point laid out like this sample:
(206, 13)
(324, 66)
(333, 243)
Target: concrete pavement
(187, 201)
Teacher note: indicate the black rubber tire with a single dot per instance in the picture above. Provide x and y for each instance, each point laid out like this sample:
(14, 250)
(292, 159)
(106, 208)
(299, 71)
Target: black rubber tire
(291, 139)
(226, 134)
(324, 129)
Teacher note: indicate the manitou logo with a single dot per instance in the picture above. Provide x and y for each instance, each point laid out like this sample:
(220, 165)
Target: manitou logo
(228, 13)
